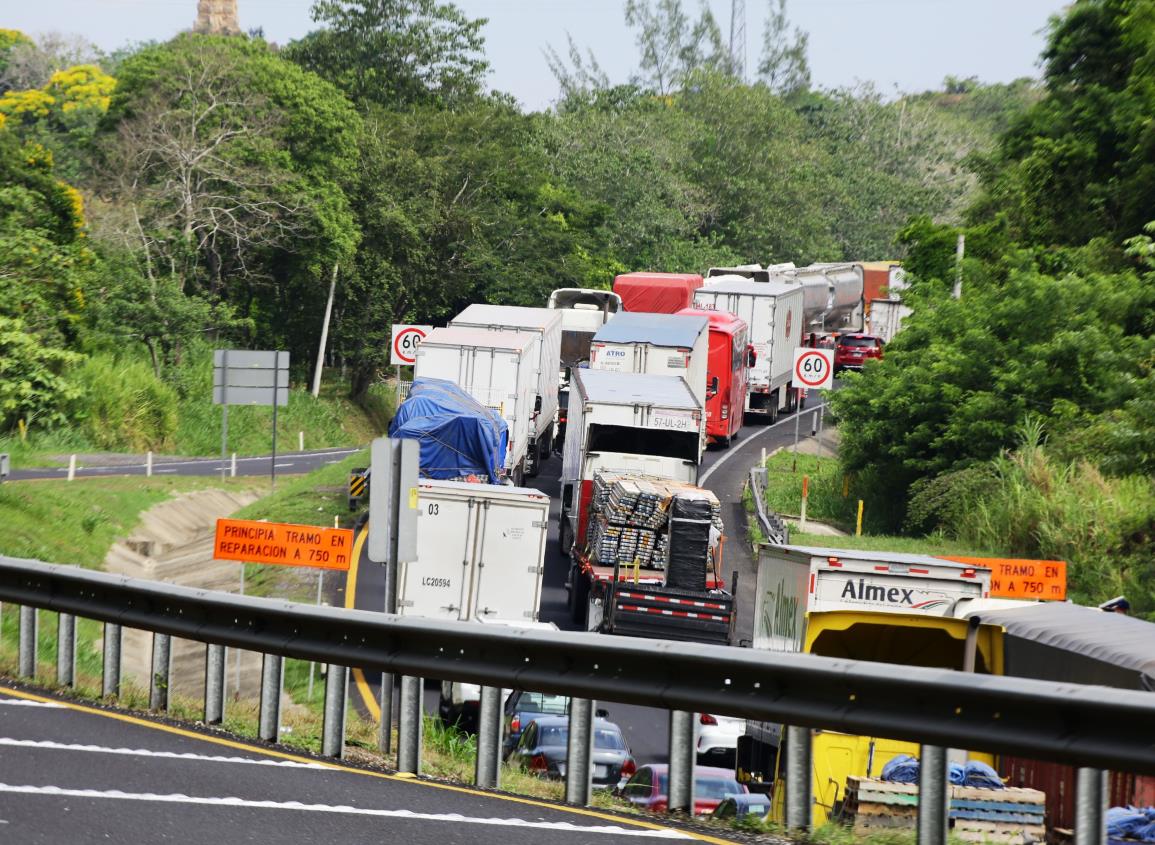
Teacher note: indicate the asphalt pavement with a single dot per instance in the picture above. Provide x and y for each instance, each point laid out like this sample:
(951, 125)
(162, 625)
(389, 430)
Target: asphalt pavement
(287, 463)
(78, 774)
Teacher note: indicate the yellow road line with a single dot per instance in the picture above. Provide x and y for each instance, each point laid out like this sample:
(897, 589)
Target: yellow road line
(405, 778)
(363, 689)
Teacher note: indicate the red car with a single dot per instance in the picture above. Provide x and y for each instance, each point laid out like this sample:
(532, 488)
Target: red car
(854, 350)
(649, 788)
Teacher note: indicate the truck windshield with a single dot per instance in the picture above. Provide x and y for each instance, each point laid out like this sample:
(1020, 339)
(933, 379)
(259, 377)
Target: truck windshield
(644, 441)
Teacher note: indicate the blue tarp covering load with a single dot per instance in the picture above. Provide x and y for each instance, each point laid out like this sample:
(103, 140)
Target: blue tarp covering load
(459, 436)
(904, 769)
(1131, 823)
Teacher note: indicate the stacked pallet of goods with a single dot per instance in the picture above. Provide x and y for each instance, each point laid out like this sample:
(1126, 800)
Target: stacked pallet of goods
(630, 515)
(976, 814)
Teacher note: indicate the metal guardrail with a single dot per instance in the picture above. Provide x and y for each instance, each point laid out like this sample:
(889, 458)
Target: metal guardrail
(773, 526)
(1087, 726)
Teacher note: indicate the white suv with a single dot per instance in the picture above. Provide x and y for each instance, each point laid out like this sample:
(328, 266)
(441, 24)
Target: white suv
(718, 738)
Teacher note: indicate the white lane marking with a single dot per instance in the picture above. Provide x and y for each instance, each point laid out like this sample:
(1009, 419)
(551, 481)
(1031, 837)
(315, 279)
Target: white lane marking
(19, 702)
(748, 440)
(177, 798)
(278, 466)
(144, 752)
(156, 471)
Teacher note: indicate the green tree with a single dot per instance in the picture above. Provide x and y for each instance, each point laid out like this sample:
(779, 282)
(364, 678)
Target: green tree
(1079, 164)
(784, 65)
(395, 52)
(225, 168)
(672, 46)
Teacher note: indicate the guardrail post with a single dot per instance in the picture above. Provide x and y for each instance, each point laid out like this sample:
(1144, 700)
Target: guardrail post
(1090, 806)
(385, 728)
(161, 663)
(110, 685)
(409, 726)
(336, 692)
(66, 649)
(933, 796)
(579, 751)
(798, 779)
(29, 629)
(272, 677)
(214, 684)
(488, 771)
(681, 773)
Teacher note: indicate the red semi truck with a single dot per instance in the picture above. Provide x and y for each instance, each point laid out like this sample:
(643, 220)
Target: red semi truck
(727, 374)
(657, 293)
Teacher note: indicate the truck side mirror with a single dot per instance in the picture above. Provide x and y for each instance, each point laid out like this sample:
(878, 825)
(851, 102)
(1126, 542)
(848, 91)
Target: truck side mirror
(537, 405)
(713, 391)
(751, 356)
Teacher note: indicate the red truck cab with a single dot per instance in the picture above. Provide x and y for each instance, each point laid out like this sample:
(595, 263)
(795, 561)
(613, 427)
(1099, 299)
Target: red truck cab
(854, 350)
(727, 374)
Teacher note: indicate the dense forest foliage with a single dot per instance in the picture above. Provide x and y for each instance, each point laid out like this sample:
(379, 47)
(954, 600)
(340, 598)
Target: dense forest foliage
(225, 181)
(173, 197)
(1020, 417)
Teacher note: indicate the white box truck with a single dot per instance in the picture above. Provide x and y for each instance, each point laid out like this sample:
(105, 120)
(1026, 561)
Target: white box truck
(480, 554)
(657, 345)
(631, 424)
(773, 311)
(498, 369)
(546, 323)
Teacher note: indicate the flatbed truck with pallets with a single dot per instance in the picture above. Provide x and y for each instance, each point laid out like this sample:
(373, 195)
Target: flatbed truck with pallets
(645, 428)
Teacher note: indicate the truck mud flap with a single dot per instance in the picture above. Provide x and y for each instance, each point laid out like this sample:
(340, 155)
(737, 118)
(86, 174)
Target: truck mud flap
(662, 613)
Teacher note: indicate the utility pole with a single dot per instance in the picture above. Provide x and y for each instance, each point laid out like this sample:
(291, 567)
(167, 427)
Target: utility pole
(324, 334)
(738, 38)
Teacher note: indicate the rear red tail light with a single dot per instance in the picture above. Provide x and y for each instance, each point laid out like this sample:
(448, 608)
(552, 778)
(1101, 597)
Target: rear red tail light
(539, 763)
(629, 767)
(515, 725)
(707, 719)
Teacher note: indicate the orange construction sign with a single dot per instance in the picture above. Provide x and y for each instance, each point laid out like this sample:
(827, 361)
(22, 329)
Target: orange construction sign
(282, 543)
(1011, 578)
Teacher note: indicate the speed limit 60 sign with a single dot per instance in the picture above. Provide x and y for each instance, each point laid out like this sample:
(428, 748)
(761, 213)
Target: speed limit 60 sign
(814, 369)
(406, 339)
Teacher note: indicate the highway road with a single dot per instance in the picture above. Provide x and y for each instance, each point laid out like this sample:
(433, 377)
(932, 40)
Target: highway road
(286, 463)
(79, 774)
(723, 471)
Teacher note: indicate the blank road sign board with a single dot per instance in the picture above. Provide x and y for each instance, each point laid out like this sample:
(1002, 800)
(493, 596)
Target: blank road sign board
(248, 377)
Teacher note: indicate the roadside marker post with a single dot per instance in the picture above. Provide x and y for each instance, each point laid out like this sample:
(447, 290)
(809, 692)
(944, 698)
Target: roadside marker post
(805, 497)
(71, 467)
(858, 524)
(148, 464)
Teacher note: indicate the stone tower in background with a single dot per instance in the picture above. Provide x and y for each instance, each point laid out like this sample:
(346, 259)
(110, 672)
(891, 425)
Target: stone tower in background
(217, 17)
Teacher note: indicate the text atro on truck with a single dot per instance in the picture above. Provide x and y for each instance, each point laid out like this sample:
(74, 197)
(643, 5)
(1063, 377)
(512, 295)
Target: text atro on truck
(498, 369)
(727, 374)
(773, 313)
(656, 344)
(647, 427)
(546, 324)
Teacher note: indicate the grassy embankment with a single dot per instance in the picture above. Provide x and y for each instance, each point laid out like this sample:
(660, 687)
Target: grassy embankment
(828, 505)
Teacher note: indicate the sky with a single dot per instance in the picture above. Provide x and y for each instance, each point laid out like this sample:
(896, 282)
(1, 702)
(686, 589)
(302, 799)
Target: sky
(900, 45)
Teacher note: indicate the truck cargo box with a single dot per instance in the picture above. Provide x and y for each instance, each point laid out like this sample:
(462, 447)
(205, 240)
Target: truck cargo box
(546, 324)
(498, 369)
(773, 313)
(481, 550)
(656, 293)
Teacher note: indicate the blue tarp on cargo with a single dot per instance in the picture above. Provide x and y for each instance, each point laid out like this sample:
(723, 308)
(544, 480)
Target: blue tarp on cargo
(459, 436)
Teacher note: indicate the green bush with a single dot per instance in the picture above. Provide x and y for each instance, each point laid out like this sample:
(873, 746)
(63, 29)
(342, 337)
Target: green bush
(124, 405)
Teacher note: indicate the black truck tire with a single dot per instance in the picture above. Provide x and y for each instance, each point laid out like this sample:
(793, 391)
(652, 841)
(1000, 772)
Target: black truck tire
(579, 599)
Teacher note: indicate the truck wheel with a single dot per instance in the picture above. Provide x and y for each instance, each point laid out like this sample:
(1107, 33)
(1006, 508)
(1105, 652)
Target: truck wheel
(725, 441)
(579, 599)
(774, 407)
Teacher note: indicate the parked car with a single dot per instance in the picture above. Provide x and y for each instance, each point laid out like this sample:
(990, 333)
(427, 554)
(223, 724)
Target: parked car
(543, 747)
(649, 788)
(523, 707)
(854, 350)
(736, 806)
(718, 739)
